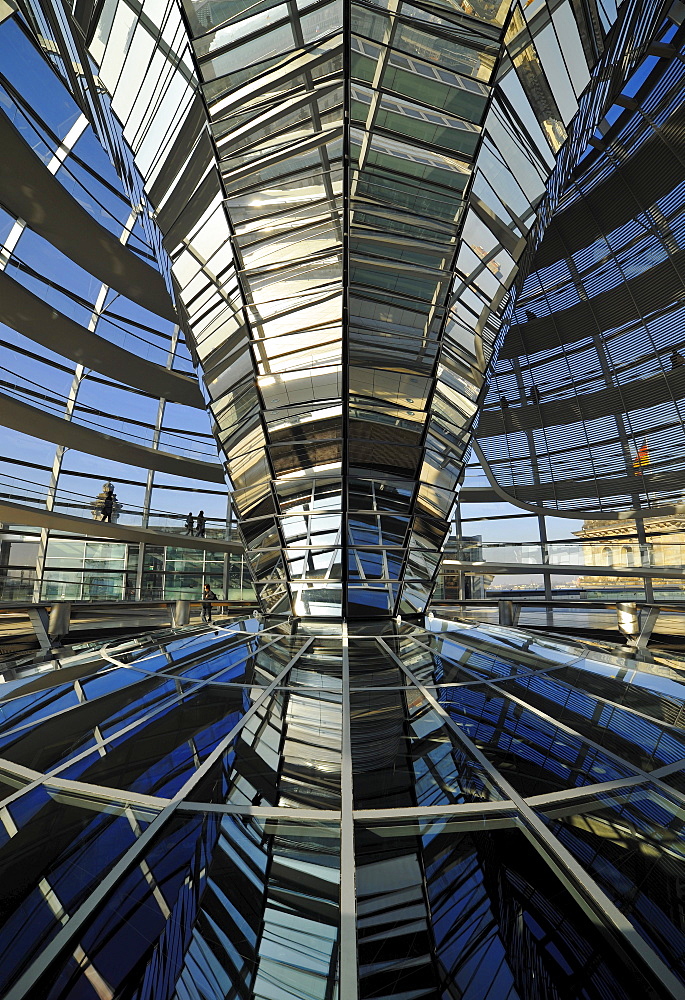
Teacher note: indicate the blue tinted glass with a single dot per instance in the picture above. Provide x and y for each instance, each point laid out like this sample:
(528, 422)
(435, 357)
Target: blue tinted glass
(6, 223)
(49, 262)
(28, 71)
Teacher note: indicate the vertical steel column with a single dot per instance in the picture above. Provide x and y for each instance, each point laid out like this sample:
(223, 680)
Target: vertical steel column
(348, 909)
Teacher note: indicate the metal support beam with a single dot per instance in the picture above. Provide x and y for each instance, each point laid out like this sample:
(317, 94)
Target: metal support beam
(348, 908)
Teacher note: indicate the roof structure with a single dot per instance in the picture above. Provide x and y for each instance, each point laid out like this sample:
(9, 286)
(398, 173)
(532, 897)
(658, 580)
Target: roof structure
(326, 223)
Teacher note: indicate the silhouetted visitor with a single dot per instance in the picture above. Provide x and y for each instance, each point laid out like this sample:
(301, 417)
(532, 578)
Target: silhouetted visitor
(677, 360)
(535, 395)
(530, 315)
(257, 799)
(106, 507)
(108, 502)
(207, 596)
(190, 524)
(504, 402)
(200, 525)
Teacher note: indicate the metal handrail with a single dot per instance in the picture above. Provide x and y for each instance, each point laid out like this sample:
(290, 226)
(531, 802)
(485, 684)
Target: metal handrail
(635, 627)
(51, 620)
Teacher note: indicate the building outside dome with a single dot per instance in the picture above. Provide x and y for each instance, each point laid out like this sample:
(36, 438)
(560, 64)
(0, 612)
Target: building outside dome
(606, 543)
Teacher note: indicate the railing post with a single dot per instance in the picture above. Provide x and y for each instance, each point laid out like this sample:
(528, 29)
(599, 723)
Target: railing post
(60, 615)
(180, 613)
(647, 628)
(627, 619)
(509, 612)
(39, 619)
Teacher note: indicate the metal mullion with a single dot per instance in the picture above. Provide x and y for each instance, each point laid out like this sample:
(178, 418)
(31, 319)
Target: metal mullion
(413, 143)
(255, 222)
(375, 87)
(54, 715)
(434, 187)
(337, 547)
(354, 551)
(249, 93)
(305, 226)
(303, 265)
(477, 810)
(422, 105)
(378, 235)
(396, 214)
(553, 800)
(85, 791)
(174, 59)
(443, 298)
(432, 952)
(297, 352)
(316, 121)
(227, 152)
(270, 110)
(345, 381)
(306, 145)
(348, 909)
(92, 751)
(384, 558)
(296, 265)
(65, 936)
(601, 700)
(646, 775)
(314, 296)
(586, 892)
(313, 328)
(529, 672)
(175, 676)
(249, 36)
(262, 812)
(307, 560)
(174, 67)
(267, 246)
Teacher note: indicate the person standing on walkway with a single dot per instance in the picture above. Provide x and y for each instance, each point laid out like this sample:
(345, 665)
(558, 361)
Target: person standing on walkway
(190, 524)
(208, 596)
(108, 502)
(200, 525)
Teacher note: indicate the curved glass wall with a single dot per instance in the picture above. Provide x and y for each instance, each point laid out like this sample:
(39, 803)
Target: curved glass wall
(585, 404)
(79, 353)
(348, 203)
(342, 240)
(345, 494)
(583, 417)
